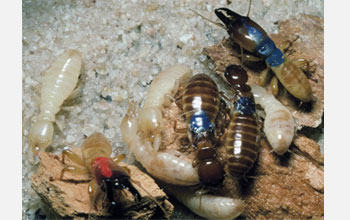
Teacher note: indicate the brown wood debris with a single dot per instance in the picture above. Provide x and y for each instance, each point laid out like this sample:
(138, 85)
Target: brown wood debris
(283, 187)
(278, 187)
(68, 198)
(309, 45)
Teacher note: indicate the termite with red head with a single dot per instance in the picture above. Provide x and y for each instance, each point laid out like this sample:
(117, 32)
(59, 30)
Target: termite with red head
(107, 175)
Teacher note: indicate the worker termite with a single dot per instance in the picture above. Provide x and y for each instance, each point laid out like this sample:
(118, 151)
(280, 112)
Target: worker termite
(201, 105)
(150, 118)
(279, 123)
(170, 166)
(58, 83)
(253, 38)
(207, 205)
(106, 175)
(243, 134)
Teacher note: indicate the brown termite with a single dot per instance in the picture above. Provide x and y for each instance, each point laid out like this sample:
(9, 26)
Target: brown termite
(243, 133)
(200, 103)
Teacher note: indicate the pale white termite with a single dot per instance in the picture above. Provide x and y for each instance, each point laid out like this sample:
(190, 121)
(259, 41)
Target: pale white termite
(208, 206)
(168, 165)
(163, 86)
(279, 125)
(164, 165)
(58, 83)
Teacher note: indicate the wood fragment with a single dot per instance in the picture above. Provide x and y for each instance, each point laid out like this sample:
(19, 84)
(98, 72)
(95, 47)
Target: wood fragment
(69, 198)
(310, 31)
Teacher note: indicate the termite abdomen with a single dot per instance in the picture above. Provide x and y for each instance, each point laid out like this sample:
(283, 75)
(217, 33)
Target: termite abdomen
(201, 94)
(242, 143)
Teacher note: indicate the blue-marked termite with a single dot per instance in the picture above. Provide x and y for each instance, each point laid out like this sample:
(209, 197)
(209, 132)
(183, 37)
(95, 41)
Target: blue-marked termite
(243, 133)
(200, 103)
(253, 38)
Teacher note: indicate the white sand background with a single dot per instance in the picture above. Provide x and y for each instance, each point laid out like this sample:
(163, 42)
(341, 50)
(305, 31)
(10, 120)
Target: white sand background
(124, 45)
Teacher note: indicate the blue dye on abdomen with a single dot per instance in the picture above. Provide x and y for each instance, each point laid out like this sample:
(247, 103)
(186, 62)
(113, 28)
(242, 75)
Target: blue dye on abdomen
(265, 47)
(200, 122)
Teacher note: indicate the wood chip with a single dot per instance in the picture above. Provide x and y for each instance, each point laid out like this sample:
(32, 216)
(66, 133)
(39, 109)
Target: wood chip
(69, 197)
(310, 31)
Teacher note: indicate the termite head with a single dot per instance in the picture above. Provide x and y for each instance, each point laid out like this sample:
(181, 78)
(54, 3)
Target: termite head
(111, 177)
(129, 125)
(40, 137)
(210, 170)
(150, 121)
(238, 77)
(227, 16)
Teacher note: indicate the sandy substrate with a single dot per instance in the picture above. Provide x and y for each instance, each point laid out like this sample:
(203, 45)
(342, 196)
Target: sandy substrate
(124, 45)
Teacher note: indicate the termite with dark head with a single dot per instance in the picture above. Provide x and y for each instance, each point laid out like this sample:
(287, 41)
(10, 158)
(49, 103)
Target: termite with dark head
(243, 134)
(107, 175)
(253, 38)
(200, 103)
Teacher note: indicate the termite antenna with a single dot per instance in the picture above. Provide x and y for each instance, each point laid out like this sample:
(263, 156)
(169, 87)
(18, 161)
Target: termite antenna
(151, 197)
(217, 24)
(292, 152)
(250, 3)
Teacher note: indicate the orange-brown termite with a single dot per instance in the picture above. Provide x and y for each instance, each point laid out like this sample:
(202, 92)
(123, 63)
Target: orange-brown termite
(106, 174)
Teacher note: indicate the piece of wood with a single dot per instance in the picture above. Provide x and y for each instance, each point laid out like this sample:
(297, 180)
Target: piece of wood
(309, 45)
(69, 198)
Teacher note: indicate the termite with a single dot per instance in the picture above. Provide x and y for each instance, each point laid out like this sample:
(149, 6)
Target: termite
(253, 38)
(243, 133)
(163, 86)
(57, 85)
(106, 175)
(201, 106)
(279, 123)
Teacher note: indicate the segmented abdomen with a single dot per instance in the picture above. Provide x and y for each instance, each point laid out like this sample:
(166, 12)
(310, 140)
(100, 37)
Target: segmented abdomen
(58, 83)
(96, 145)
(294, 80)
(201, 93)
(242, 143)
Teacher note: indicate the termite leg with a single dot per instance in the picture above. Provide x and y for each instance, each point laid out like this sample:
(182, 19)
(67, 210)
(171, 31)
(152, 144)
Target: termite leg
(74, 169)
(220, 158)
(286, 46)
(274, 86)
(72, 156)
(93, 189)
(248, 57)
(117, 159)
(195, 162)
(264, 77)
(179, 130)
(75, 94)
(178, 102)
(305, 66)
(224, 96)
